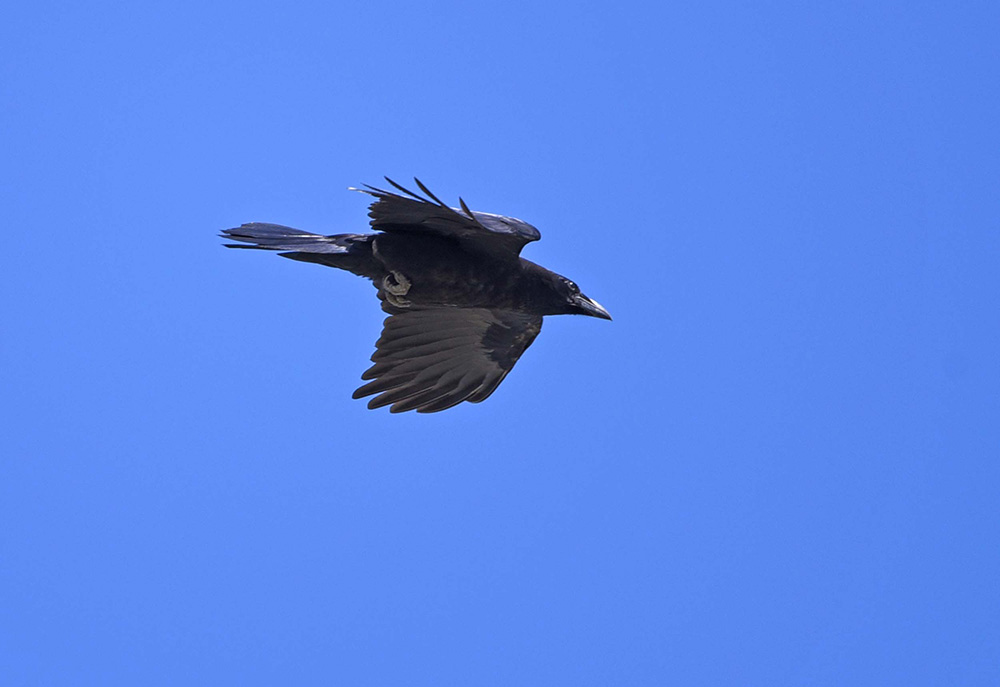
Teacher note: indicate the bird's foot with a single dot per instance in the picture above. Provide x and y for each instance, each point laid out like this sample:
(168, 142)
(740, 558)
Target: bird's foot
(395, 283)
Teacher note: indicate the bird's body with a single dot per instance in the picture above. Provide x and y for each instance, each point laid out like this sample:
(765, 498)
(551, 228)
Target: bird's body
(463, 304)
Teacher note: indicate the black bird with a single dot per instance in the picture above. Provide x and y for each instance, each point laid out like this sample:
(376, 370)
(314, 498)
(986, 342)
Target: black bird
(463, 306)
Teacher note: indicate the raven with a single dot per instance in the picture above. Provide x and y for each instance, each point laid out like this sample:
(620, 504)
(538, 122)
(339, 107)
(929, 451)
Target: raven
(463, 305)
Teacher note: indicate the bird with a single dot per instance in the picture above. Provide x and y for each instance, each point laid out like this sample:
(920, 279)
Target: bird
(462, 305)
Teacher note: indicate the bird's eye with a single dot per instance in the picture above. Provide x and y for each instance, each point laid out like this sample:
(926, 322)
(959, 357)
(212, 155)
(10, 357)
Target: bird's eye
(573, 288)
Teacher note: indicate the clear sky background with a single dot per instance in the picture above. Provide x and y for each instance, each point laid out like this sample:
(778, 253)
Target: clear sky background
(777, 466)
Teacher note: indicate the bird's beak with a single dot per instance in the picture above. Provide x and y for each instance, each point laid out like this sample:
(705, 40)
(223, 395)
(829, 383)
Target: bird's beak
(591, 307)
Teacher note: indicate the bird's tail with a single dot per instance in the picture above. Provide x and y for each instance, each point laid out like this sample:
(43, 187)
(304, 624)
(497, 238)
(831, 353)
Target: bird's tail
(276, 237)
(352, 252)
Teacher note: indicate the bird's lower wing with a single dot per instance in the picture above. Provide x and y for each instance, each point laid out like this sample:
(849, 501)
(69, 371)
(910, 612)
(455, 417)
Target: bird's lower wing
(431, 359)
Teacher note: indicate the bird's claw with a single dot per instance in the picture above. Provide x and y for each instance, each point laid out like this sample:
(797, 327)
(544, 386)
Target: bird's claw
(395, 283)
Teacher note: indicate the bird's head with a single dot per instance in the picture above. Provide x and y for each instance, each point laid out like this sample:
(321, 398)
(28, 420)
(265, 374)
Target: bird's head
(575, 302)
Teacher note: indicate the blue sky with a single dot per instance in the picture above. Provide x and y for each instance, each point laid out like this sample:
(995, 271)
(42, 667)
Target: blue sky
(777, 466)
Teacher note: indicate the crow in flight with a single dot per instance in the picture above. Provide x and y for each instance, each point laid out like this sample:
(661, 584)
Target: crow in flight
(463, 305)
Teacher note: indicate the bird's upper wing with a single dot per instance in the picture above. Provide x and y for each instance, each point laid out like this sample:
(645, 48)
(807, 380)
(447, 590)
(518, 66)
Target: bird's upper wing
(431, 359)
(407, 211)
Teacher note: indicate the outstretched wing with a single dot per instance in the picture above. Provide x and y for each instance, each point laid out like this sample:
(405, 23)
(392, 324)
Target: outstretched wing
(434, 358)
(407, 211)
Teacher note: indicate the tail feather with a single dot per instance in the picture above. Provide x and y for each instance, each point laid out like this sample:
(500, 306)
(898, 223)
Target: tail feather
(276, 237)
(350, 252)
